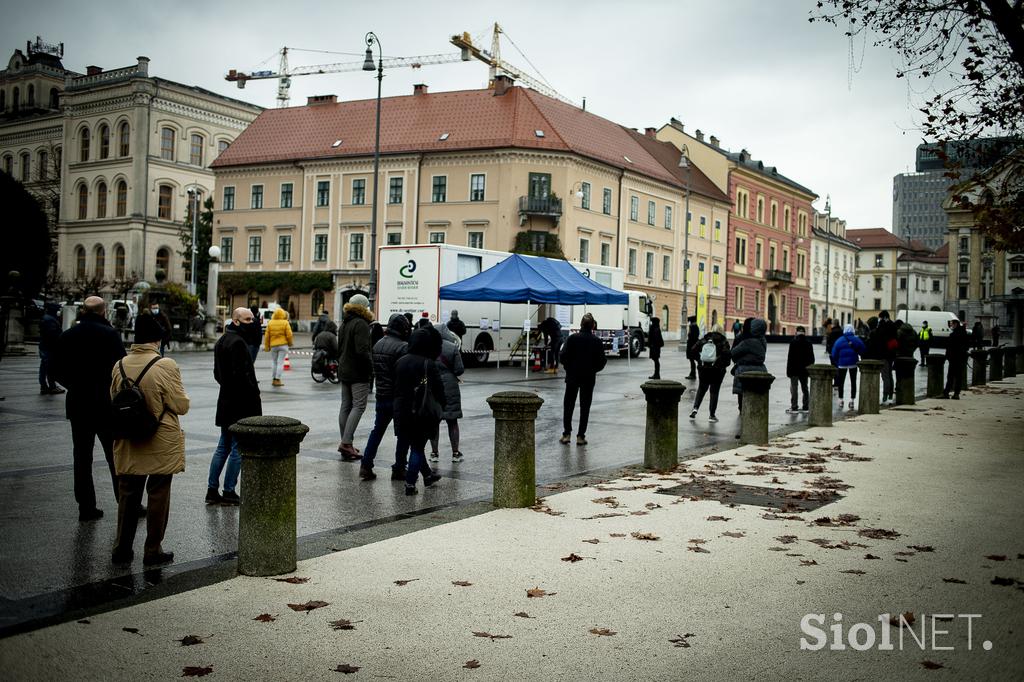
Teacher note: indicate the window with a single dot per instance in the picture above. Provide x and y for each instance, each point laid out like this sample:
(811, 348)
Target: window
(634, 208)
(227, 249)
(965, 244)
(799, 307)
(539, 185)
(256, 197)
(476, 187)
(355, 247)
(632, 262)
(700, 273)
(101, 262)
(1016, 272)
(83, 145)
(80, 262)
(878, 283)
(785, 219)
(937, 284)
(255, 249)
(962, 291)
(8, 164)
(101, 200)
(83, 202)
(703, 227)
(163, 259)
(801, 263)
(24, 166)
(718, 230)
(650, 212)
(741, 250)
(585, 200)
(395, 191)
(167, 143)
(394, 238)
(666, 267)
(758, 248)
(903, 283)
(584, 250)
(319, 247)
(316, 302)
(286, 195)
(284, 248)
(738, 293)
(475, 239)
(606, 201)
(119, 262)
(668, 217)
(689, 222)
(124, 136)
(878, 302)
(757, 300)
(775, 215)
(649, 265)
(359, 192)
(879, 260)
(760, 209)
(164, 205)
(31, 96)
(323, 193)
(606, 249)
(439, 191)
(771, 257)
(122, 199)
(41, 167)
(714, 276)
(802, 224)
(222, 146)
(742, 203)
(964, 265)
(104, 141)
(195, 150)
(436, 238)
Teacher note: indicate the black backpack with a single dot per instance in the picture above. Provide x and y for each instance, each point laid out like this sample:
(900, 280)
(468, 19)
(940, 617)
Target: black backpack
(130, 419)
(424, 405)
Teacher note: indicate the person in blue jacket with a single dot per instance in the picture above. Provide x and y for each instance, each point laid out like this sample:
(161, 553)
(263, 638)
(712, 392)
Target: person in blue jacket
(846, 351)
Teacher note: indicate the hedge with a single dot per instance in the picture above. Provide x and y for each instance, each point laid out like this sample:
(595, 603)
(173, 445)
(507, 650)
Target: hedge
(270, 282)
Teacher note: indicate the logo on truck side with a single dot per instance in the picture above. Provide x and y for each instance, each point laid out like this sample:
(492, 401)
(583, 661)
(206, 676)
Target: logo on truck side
(407, 269)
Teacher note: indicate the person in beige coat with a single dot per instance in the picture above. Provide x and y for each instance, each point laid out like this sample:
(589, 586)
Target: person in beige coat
(149, 464)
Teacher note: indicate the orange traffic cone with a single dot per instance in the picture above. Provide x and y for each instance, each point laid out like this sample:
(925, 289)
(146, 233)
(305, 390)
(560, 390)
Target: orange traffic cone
(536, 361)
(287, 363)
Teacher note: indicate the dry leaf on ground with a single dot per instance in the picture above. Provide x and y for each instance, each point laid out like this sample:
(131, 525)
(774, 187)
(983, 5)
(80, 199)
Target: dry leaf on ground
(878, 533)
(537, 593)
(490, 636)
(344, 624)
(572, 558)
(471, 664)
(522, 614)
(592, 541)
(644, 536)
(698, 549)
(718, 518)
(680, 641)
(346, 668)
(403, 583)
(196, 671)
(190, 640)
(308, 606)
(603, 632)
(294, 580)
(954, 580)
(264, 618)
(899, 620)
(996, 557)
(461, 583)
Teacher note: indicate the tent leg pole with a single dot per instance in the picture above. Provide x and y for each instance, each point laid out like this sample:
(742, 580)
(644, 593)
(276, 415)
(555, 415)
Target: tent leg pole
(526, 359)
(497, 345)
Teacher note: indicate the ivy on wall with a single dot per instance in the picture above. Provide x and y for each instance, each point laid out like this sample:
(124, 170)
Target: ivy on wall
(538, 244)
(270, 282)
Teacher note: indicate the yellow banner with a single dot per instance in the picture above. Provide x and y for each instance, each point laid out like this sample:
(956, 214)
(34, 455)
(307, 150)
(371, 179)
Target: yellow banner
(702, 308)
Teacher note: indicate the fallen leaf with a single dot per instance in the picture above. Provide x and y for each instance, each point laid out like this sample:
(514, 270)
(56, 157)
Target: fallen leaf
(800, 582)
(1006, 582)
(698, 549)
(471, 664)
(899, 620)
(644, 536)
(808, 562)
(461, 583)
(537, 592)
(403, 583)
(718, 518)
(904, 553)
(134, 631)
(194, 671)
(854, 571)
(697, 541)
(343, 624)
(996, 557)
(871, 556)
(85, 621)
(190, 640)
(878, 533)
(609, 501)
(954, 580)
(603, 632)
(731, 534)
(616, 535)
(592, 541)
(346, 668)
(922, 548)
(639, 513)
(292, 580)
(264, 618)
(308, 606)
(602, 516)
(572, 558)
(652, 505)
(931, 665)
(680, 641)
(522, 614)
(787, 539)
(489, 635)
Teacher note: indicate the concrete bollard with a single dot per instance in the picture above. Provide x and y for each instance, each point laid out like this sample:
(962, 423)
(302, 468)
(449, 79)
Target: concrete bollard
(978, 360)
(515, 473)
(754, 415)
(936, 380)
(1010, 362)
(870, 377)
(904, 370)
(995, 372)
(822, 378)
(661, 440)
(266, 520)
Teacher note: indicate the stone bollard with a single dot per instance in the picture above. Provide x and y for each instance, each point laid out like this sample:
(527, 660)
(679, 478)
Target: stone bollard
(1010, 361)
(754, 416)
(936, 381)
(661, 440)
(266, 520)
(978, 359)
(904, 370)
(870, 377)
(822, 378)
(995, 372)
(515, 474)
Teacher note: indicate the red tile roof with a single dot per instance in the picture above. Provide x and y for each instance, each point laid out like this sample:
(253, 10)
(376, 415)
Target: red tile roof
(473, 119)
(874, 238)
(667, 155)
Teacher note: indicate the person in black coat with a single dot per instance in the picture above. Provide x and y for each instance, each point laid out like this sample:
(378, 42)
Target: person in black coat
(956, 355)
(252, 333)
(86, 355)
(49, 333)
(386, 353)
(655, 342)
(801, 355)
(710, 376)
(456, 326)
(410, 371)
(552, 331)
(239, 397)
(886, 345)
(692, 350)
(582, 357)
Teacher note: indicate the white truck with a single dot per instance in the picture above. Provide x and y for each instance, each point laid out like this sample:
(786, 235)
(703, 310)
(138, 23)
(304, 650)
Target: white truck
(409, 278)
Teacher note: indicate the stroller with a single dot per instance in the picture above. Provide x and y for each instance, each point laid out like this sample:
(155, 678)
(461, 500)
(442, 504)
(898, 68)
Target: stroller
(323, 368)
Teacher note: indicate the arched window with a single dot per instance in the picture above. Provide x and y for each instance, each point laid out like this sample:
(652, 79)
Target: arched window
(83, 145)
(42, 169)
(8, 164)
(83, 202)
(164, 206)
(222, 145)
(54, 98)
(119, 262)
(316, 302)
(101, 200)
(665, 326)
(24, 166)
(104, 141)
(163, 259)
(101, 261)
(58, 159)
(3, 101)
(15, 99)
(167, 143)
(195, 156)
(31, 96)
(122, 199)
(124, 139)
(79, 262)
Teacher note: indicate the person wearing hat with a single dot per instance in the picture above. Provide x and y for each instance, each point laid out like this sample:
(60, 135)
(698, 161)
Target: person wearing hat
(355, 369)
(424, 320)
(49, 332)
(148, 464)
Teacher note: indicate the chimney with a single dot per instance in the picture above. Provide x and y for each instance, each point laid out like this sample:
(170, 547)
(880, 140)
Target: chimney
(649, 132)
(143, 66)
(502, 82)
(314, 100)
(419, 89)
(714, 141)
(700, 135)
(93, 70)
(744, 155)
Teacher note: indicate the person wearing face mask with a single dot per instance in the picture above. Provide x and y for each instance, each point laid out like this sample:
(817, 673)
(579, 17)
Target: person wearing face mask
(165, 324)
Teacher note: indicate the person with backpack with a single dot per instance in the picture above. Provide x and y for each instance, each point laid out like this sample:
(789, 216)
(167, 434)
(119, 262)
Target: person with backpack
(386, 354)
(419, 401)
(325, 346)
(714, 359)
(924, 341)
(582, 357)
(655, 342)
(748, 355)
(800, 357)
(692, 352)
(276, 340)
(846, 351)
(449, 364)
(355, 369)
(149, 448)
(887, 345)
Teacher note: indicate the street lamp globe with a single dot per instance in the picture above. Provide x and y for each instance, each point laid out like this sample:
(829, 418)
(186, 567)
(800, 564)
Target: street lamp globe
(368, 64)
(214, 252)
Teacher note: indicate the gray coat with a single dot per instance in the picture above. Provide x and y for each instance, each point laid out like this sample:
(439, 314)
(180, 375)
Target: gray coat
(449, 363)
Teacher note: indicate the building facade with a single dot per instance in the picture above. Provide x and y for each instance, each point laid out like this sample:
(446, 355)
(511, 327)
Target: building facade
(893, 274)
(833, 273)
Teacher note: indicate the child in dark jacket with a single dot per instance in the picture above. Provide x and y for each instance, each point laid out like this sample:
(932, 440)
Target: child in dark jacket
(801, 355)
(416, 430)
(845, 353)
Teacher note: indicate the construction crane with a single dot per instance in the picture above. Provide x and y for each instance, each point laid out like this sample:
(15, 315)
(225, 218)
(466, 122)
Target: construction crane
(284, 74)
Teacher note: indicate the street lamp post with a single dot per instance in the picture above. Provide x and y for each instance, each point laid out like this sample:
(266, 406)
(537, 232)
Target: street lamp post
(368, 65)
(211, 292)
(684, 162)
(193, 200)
(828, 255)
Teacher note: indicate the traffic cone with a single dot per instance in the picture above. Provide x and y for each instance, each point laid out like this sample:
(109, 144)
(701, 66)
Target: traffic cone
(536, 362)
(287, 363)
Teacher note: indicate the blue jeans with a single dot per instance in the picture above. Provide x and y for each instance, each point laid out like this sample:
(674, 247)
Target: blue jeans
(417, 465)
(385, 413)
(227, 449)
(46, 370)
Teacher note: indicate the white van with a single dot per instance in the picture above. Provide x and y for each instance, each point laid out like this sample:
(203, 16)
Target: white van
(938, 320)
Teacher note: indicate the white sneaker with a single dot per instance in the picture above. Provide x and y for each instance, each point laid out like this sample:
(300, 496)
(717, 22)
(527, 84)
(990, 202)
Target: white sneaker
(850, 405)
(693, 414)
(433, 457)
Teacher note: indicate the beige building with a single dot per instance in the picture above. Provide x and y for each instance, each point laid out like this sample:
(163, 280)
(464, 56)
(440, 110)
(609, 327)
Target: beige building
(833, 273)
(116, 153)
(503, 169)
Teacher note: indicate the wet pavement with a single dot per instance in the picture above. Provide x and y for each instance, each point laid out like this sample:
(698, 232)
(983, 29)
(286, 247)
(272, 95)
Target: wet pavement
(52, 566)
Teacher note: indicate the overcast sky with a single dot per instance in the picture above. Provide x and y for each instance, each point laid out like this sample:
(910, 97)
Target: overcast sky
(754, 73)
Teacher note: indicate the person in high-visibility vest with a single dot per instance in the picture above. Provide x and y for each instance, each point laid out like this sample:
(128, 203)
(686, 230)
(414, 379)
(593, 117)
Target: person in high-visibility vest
(924, 338)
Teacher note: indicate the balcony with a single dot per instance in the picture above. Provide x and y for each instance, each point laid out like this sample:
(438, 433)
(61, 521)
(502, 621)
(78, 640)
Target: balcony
(779, 276)
(545, 207)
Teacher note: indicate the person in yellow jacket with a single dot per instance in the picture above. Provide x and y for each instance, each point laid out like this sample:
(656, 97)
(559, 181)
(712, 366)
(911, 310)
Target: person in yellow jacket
(924, 341)
(276, 340)
(149, 464)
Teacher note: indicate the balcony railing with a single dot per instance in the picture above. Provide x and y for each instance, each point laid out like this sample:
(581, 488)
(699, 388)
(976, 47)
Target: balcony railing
(540, 206)
(784, 276)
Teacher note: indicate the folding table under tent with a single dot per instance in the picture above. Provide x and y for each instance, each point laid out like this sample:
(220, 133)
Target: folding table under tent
(530, 280)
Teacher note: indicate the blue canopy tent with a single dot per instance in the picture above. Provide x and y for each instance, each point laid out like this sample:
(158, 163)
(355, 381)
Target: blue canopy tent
(528, 279)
